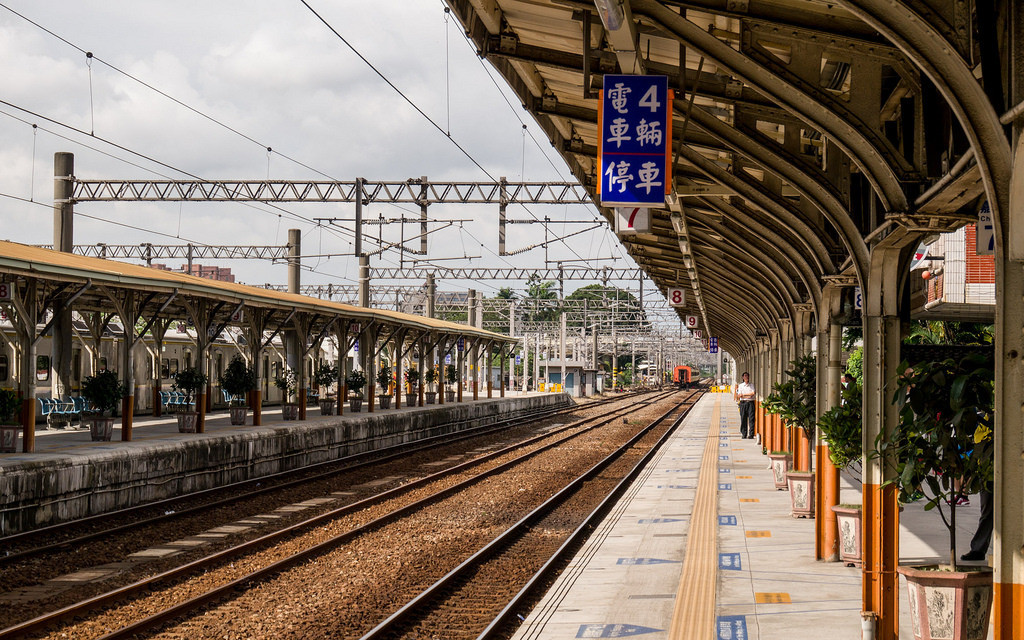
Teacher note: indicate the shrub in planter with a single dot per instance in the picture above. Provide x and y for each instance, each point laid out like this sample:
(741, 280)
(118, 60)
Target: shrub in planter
(384, 383)
(355, 381)
(103, 392)
(326, 376)
(10, 405)
(794, 400)
(451, 373)
(943, 448)
(430, 377)
(238, 380)
(841, 428)
(287, 382)
(189, 381)
(412, 378)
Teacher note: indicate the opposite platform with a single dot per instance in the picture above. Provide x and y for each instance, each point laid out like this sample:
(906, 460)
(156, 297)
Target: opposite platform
(70, 477)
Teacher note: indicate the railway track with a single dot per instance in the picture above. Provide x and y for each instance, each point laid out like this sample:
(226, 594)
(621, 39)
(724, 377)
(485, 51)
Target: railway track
(274, 563)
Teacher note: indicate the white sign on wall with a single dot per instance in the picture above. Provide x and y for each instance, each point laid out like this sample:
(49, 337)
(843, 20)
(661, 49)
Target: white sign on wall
(632, 220)
(5, 291)
(985, 237)
(691, 322)
(697, 333)
(676, 297)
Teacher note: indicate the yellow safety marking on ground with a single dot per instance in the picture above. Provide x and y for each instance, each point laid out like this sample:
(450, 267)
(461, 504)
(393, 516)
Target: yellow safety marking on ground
(772, 598)
(750, 499)
(694, 615)
(759, 534)
(744, 478)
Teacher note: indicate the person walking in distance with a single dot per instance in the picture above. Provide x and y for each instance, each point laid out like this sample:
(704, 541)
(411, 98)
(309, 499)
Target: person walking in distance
(744, 394)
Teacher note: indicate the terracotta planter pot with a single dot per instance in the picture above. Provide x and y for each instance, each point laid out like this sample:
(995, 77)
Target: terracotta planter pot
(327, 407)
(781, 464)
(849, 534)
(355, 405)
(187, 421)
(801, 493)
(385, 401)
(411, 399)
(949, 604)
(290, 411)
(100, 428)
(237, 415)
(9, 437)
(431, 396)
(449, 396)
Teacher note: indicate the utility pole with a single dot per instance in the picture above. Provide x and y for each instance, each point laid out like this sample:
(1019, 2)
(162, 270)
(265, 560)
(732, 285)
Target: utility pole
(562, 340)
(292, 350)
(63, 240)
(359, 217)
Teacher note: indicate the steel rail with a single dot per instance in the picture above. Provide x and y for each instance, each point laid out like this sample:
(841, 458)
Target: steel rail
(110, 597)
(416, 606)
(353, 462)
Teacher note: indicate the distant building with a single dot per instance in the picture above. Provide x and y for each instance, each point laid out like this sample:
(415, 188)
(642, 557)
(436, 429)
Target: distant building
(213, 273)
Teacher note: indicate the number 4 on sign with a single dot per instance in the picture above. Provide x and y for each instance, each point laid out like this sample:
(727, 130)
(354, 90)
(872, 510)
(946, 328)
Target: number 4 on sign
(677, 297)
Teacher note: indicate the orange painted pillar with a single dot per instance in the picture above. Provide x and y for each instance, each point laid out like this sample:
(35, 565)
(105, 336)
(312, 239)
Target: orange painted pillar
(201, 411)
(826, 540)
(302, 403)
(1008, 602)
(880, 542)
(127, 413)
(370, 391)
(257, 407)
(780, 433)
(28, 420)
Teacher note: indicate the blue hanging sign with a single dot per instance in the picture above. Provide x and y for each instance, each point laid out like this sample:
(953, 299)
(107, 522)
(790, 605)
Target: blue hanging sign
(635, 124)
(462, 344)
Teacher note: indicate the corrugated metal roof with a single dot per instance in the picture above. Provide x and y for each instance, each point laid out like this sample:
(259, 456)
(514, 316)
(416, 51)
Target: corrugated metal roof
(26, 260)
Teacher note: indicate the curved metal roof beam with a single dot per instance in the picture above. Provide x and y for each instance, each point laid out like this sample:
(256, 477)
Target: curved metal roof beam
(808, 275)
(783, 215)
(928, 49)
(814, 190)
(752, 286)
(740, 248)
(850, 139)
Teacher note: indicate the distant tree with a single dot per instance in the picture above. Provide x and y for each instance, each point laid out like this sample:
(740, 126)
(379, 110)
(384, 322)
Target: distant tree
(540, 302)
(605, 299)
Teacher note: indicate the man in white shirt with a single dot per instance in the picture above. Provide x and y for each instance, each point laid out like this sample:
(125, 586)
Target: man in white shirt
(744, 394)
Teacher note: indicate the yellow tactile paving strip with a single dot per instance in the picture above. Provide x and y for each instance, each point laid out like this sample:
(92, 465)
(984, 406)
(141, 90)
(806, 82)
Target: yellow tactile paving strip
(694, 615)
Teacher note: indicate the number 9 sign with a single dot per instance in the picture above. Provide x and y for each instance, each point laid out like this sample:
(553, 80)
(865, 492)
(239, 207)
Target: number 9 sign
(677, 297)
(691, 322)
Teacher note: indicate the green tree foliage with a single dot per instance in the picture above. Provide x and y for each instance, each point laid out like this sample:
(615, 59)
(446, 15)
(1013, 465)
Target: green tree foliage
(540, 304)
(794, 400)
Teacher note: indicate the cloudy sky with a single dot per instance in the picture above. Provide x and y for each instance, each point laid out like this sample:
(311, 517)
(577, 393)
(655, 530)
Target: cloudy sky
(257, 74)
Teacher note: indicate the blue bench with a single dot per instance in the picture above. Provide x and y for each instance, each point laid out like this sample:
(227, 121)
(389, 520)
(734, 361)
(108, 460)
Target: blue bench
(61, 410)
(174, 400)
(232, 400)
(312, 397)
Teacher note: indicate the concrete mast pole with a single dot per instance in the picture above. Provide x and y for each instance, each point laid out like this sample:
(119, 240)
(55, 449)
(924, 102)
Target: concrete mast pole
(431, 309)
(562, 354)
(512, 356)
(474, 356)
(63, 240)
(366, 347)
(293, 351)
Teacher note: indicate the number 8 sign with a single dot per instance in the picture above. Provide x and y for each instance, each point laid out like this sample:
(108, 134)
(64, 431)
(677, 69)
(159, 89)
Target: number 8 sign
(5, 290)
(677, 297)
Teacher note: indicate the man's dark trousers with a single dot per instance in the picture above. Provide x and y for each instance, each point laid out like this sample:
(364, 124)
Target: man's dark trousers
(747, 418)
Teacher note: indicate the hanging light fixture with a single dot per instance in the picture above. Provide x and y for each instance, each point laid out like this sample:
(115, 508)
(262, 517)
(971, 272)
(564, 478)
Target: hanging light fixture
(611, 13)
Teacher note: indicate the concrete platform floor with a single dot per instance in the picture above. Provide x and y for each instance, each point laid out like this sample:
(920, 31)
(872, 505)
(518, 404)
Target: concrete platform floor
(769, 586)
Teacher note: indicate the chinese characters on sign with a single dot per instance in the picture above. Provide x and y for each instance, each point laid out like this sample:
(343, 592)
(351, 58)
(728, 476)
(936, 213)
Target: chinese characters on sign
(714, 345)
(636, 133)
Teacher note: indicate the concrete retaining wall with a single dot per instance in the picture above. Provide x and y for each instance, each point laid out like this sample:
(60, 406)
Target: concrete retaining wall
(37, 494)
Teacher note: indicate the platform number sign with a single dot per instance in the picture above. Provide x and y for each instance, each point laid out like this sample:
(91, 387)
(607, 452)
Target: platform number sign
(697, 333)
(632, 220)
(691, 322)
(677, 297)
(6, 289)
(858, 298)
(635, 132)
(985, 237)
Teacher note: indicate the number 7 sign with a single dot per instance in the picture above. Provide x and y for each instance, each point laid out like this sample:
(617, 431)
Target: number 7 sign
(677, 297)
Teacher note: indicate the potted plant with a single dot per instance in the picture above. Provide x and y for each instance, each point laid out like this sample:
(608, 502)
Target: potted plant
(841, 428)
(326, 375)
(412, 378)
(103, 392)
(942, 447)
(384, 382)
(794, 401)
(287, 382)
(355, 381)
(430, 377)
(451, 376)
(189, 381)
(10, 405)
(238, 380)
(782, 462)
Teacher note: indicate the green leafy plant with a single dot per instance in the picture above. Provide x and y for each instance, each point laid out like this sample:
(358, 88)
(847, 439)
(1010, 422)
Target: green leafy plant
(325, 376)
(104, 392)
(430, 375)
(451, 373)
(189, 381)
(287, 382)
(794, 400)
(842, 428)
(10, 405)
(943, 444)
(412, 376)
(238, 380)
(384, 378)
(355, 381)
